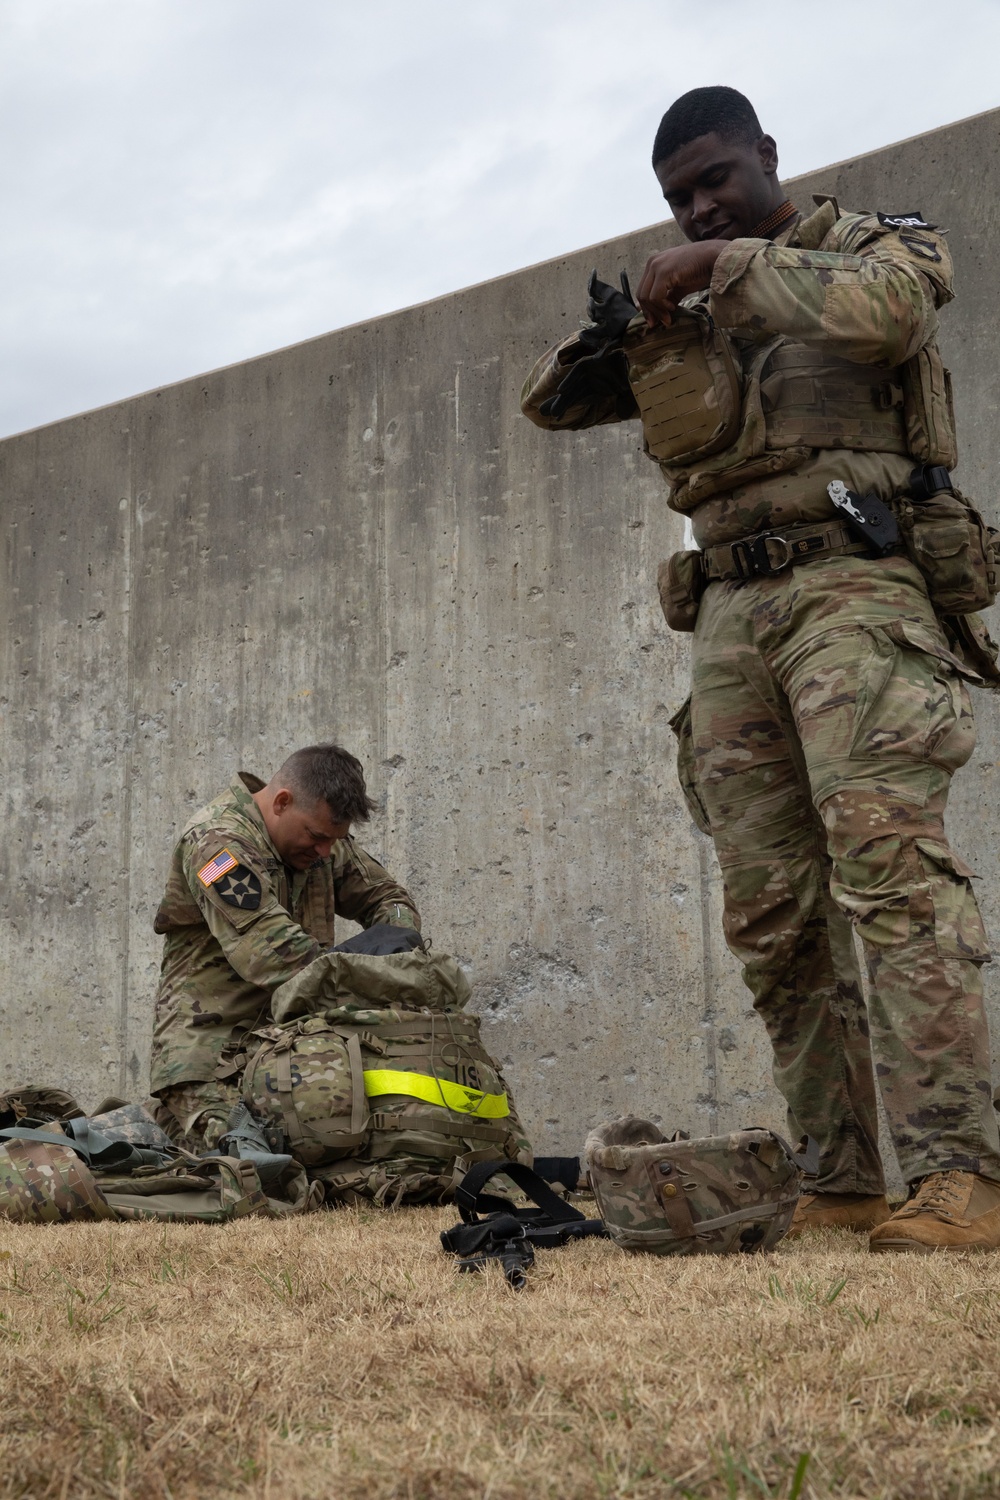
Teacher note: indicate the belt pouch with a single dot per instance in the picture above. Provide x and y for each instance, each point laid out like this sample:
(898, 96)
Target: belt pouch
(681, 581)
(954, 549)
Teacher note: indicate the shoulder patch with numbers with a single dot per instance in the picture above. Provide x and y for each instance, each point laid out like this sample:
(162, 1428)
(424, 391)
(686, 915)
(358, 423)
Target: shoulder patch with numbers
(905, 221)
(240, 887)
(220, 865)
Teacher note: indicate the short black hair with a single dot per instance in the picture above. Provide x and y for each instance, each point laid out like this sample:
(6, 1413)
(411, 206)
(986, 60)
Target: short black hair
(330, 774)
(725, 111)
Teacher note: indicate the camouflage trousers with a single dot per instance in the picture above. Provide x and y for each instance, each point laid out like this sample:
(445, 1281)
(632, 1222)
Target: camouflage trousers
(195, 1115)
(826, 718)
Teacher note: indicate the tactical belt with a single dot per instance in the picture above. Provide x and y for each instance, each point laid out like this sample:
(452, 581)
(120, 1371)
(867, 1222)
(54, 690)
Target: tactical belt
(771, 552)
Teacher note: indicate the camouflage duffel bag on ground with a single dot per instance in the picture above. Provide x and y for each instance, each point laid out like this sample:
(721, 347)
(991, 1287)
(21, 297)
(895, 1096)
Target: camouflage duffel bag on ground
(377, 1076)
(93, 1168)
(694, 1197)
(45, 1183)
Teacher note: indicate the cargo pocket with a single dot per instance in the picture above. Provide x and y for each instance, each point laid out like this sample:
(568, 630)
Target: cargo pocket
(912, 702)
(681, 725)
(958, 926)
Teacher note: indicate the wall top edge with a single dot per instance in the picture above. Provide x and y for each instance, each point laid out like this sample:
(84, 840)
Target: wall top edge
(383, 318)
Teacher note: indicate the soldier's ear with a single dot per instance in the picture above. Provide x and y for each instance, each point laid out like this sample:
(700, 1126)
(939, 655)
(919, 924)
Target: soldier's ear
(281, 800)
(767, 150)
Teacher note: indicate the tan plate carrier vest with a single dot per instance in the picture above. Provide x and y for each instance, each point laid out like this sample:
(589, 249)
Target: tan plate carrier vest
(717, 411)
(699, 395)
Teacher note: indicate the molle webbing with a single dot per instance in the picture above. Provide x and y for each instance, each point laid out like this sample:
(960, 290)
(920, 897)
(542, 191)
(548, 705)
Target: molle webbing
(346, 1131)
(686, 383)
(434, 1123)
(811, 400)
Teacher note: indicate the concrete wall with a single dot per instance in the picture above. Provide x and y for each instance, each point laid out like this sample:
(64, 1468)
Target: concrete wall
(360, 537)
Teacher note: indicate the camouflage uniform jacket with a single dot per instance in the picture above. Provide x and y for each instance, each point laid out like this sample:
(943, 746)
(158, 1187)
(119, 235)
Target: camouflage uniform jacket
(222, 961)
(850, 285)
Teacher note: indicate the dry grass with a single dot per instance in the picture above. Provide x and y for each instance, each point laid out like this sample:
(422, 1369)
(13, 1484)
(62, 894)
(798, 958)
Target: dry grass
(341, 1355)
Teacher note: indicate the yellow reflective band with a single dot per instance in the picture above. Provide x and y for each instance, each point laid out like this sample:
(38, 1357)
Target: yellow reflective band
(437, 1091)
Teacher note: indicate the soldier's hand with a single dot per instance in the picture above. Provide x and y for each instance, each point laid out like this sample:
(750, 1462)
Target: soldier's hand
(673, 274)
(610, 312)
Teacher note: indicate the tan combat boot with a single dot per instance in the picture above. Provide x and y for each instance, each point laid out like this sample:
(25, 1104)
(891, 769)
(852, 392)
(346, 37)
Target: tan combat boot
(858, 1211)
(949, 1211)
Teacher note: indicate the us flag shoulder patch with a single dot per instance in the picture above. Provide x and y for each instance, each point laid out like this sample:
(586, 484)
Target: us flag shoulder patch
(217, 867)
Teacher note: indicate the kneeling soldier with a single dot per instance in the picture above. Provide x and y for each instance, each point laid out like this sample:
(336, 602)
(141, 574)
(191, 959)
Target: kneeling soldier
(255, 883)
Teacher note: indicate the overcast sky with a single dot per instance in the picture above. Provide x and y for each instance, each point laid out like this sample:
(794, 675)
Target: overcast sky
(190, 182)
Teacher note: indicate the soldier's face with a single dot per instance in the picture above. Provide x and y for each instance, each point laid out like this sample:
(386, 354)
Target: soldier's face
(719, 190)
(303, 834)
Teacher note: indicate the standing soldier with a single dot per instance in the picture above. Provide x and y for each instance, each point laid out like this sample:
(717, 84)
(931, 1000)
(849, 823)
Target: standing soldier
(255, 883)
(787, 374)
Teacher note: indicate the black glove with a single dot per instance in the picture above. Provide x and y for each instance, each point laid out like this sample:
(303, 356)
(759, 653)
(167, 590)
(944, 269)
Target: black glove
(590, 379)
(381, 939)
(610, 313)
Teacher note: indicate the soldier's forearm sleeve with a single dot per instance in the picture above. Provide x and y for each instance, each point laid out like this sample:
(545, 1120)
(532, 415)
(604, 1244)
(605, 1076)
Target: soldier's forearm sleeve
(267, 949)
(365, 892)
(866, 308)
(547, 374)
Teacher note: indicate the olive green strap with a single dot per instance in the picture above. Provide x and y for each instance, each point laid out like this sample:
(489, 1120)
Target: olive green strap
(438, 1123)
(283, 1080)
(359, 1105)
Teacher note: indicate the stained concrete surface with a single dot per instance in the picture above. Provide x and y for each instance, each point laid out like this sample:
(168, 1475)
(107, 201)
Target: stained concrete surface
(360, 537)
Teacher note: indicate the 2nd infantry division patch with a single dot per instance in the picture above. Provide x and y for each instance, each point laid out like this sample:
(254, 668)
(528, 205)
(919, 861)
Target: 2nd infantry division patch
(241, 888)
(237, 884)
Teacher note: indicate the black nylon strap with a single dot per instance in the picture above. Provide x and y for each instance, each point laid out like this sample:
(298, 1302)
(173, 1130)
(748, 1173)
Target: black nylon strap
(805, 1155)
(472, 1200)
(468, 1239)
(807, 1161)
(508, 1234)
(562, 1169)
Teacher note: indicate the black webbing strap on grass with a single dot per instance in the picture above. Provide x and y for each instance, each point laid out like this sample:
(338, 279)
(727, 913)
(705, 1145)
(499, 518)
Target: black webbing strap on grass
(562, 1169)
(508, 1234)
(501, 1238)
(550, 1209)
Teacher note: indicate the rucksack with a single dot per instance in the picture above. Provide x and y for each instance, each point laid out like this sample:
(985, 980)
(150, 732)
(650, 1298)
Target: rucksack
(378, 1078)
